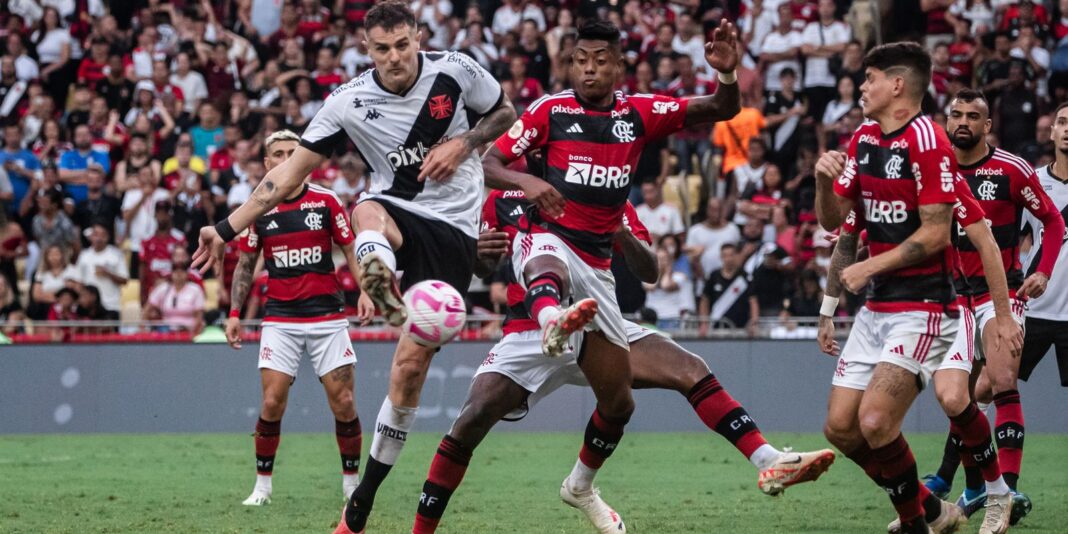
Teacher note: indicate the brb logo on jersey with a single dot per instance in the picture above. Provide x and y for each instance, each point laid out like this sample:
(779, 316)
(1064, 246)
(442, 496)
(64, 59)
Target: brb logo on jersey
(296, 257)
(596, 175)
(885, 211)
(440, 107)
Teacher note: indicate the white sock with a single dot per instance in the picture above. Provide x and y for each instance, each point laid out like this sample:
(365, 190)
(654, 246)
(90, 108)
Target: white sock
(263, 483)
(372, 242)
(765, 456)
(391, 431)
(581, 478)
(997, 487)
(349, 483)
(983, 406)
(547, 314)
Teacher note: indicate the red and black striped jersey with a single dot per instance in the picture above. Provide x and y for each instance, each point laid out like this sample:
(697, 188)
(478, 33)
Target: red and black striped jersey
(297, 238)
(1004, 185)
(503, 211)
(590, 154)
(889, 177)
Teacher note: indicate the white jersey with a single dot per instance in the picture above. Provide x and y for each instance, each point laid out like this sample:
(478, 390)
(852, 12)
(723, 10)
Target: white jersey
(394, 132)
(1053, 304)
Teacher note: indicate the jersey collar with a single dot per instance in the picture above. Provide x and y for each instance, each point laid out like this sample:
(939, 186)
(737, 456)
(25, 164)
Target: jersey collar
(903, 127)
(1049, 169)
(418, 74)
(982, 161)
(303, 191)
(593, 107)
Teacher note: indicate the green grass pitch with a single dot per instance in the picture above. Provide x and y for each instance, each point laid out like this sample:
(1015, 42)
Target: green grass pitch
(660, 483)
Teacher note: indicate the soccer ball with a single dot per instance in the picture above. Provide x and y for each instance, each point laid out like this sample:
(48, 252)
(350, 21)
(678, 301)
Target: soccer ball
(436, 313)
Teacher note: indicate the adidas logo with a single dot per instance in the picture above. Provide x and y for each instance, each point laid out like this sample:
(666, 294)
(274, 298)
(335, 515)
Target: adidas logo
(957, 358)
(899, 350)
(575, 128)
(273, 225)
(516, 212)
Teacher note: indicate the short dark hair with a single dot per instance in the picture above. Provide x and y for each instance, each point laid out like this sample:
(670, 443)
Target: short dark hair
(600, 30)
(1059, 108)
(389, 15)
(971, 95)
(726, 246)
(903, 55)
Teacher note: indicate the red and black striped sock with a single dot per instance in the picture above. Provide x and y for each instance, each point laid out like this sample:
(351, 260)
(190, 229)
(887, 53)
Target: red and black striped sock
(720, 412)
(863, 457)
(974, 430)
(349, 443)
(902, 483)
(1009, 434)
(446, 472)
(601, 439)
(268, 434)
(973, 477)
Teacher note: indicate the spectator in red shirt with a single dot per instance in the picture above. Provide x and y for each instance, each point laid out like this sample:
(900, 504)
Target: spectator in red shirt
(803, 11)
(314, 18)
(161, 79)
(92, 69)
(327, 75)
(223, 157)
(527, 89)
(962, 53)
(289, 29)
(221, 75)
(157, 250)
(1025, 13)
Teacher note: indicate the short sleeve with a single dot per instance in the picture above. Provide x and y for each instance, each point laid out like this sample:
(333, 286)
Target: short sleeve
(630, 218)
(155, 298)
(852, 223)
(489, 211)
(662, 115)
(847, 185)
(325, 134)
(529, 132)
(933, 163)
(249, 241)
(967, 211)
(481, 91)
(340, 228)
(1027, 191)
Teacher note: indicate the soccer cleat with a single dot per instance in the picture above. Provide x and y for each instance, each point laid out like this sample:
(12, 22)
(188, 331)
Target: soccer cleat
(998, 510)
(571, 320)
(940, 488)
(259, 497)
(343, 528)
(1021, 506)
(380, 283)
(970, 506)
(603, 517)
(794, 468)
(951, 519)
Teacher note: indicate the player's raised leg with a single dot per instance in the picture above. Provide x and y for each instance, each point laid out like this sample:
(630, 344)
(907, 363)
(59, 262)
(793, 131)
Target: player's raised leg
(546, 278)
(268, 431)
(376, 239)
(658, 362)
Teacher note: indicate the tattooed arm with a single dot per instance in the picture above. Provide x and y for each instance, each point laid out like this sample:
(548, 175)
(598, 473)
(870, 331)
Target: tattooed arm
(239, 289)
(492, 125)
(844, 255)
(278, 185)
(930, 238)
(443, 160)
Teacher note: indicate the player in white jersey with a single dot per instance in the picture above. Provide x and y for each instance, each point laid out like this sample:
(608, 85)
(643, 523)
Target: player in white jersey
(1046, 320)
(417, 120)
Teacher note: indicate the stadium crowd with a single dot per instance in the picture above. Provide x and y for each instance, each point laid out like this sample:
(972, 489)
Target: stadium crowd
(129, 125)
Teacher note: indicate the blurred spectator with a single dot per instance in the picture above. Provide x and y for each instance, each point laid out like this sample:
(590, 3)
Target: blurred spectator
(65, 308)
(54, 51)
(12, 247)
(91, 70)
(104, 266)
(705, 239)
(351, 181)
(177, 302)
(512, 13)
(229, 165)
(735, 136)
(801, 189)
(755, 25)
(993, 74)
(74, 164)
(194, 88)
(527, 89)
(695, 140)
(194, 206)
(25, 67)
(1016, 111)
(836, 109)
(671, 297)
(822, 41)
(784, 111)
(12, 90)
(21, 165)
(1033, 151)
(780, 50)
(127, 171)
(853, 66)
(11, 313)
(752, 171)
(477, 41)
(661, 45)
(90, 309)
(99, 206)
(139, 212)
(761, 197)
(938, 27)
(565, 25)
(1029, 48)
(116, 88)
(156, 251)
(689, 42)
(183, 164)
(806, 300)
(1025, 14)
(975, 16)
(659, 218)
(207, 135)
(532, 46)
(242, 190)
(725, 298)
(51, 226)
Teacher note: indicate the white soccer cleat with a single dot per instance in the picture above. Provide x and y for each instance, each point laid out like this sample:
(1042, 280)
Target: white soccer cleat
(794, 468)
(259, 497)
(996, 519)
(574, 318)
(952, 519)
(380, 283)
(603, 517)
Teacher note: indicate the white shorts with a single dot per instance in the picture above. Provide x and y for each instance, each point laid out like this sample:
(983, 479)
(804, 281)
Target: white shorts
(585, 281)
(962, 352)
(917, 341)
(985, 312)
(518, 356)
(282, 345)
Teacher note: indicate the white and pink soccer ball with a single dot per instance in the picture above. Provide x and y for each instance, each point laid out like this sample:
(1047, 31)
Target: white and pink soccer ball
(436, 313)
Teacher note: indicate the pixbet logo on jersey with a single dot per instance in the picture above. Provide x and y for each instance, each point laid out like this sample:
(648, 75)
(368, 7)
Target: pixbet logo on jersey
(295, 257)
(410, 155)
(597, 175)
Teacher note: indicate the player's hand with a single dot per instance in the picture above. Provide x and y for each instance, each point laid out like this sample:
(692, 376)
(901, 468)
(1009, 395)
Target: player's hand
(209, 253)
(233, 332)
(825, 337)
(492, 245)
(1034, 286)
(855, 277)
(1007, 333)
(443, 160)
(830, 166)
(722, 51)
(545, 197)
(365, 309)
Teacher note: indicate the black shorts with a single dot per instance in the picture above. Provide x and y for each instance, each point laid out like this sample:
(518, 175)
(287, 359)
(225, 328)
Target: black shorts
(432, 250)
(1039, 335)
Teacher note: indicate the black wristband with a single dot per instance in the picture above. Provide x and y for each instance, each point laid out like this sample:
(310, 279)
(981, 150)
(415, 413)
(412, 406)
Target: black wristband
(225, 231)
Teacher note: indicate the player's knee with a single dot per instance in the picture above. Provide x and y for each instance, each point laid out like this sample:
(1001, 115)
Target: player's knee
(474, 422)
(953, 400)
(692, 371)
(620, 407)
(341, 403)
(273, 408)
(409, 375)
(877, 427)
(841, 434)
(1001, 379)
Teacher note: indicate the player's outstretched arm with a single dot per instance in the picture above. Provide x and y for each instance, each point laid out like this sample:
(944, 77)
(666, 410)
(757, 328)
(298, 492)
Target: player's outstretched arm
(279, 183)
(844, 255)
(1006, 331)
(930, 238)
(722, 55)
(246, 264)
(538, 191)
(640, 258)
(831, 209)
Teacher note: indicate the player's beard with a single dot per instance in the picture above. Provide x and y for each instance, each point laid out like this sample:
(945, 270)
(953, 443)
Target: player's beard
(965, 144)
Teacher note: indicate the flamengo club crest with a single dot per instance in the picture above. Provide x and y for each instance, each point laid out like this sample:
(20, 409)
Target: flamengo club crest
(440, 107)
(314, 221)
(987, 190)
(624, 131)
(893, 167)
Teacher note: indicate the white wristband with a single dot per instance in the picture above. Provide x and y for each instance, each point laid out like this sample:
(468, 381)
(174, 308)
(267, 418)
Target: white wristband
(727, 77)
(829, 307)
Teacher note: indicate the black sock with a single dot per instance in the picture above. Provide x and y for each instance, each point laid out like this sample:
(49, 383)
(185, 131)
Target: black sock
(932, 508)
(950, 459)
(363, 498)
